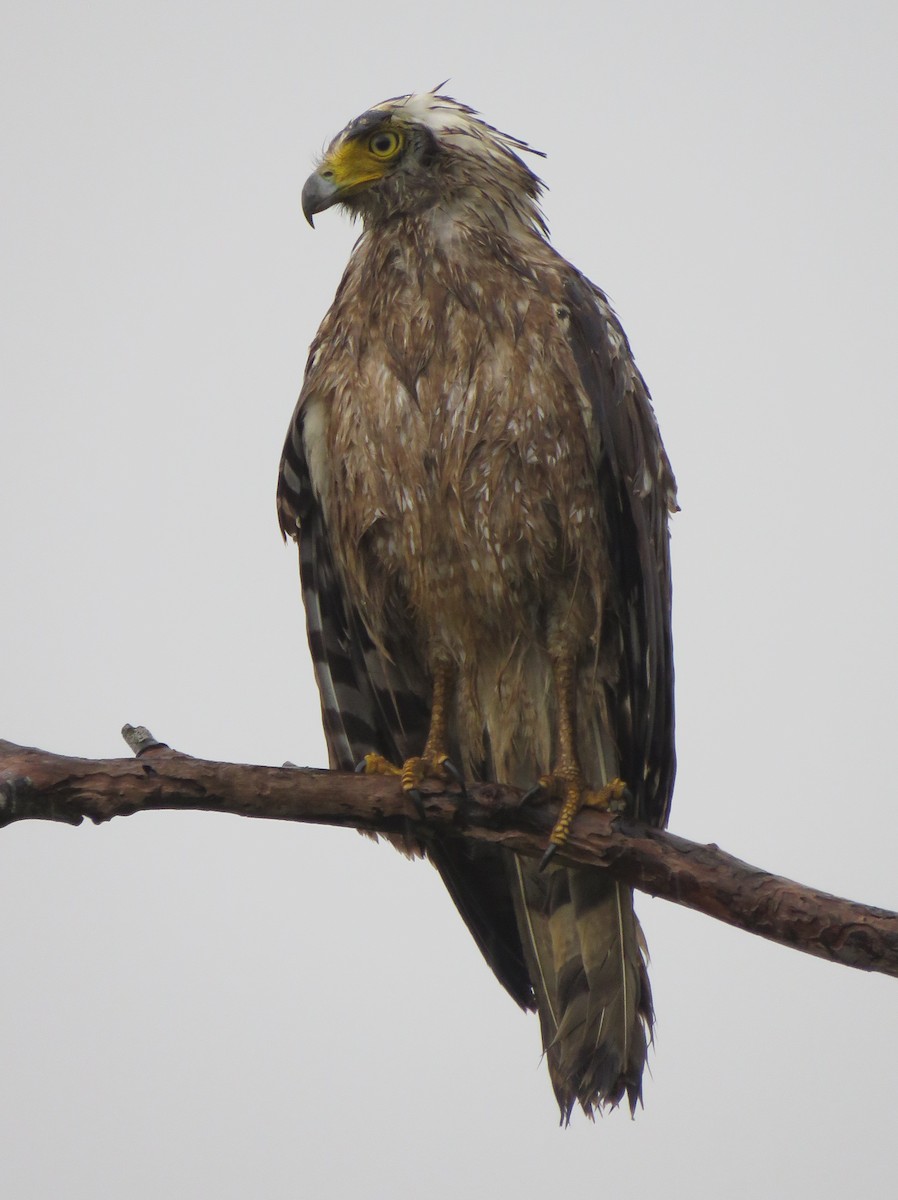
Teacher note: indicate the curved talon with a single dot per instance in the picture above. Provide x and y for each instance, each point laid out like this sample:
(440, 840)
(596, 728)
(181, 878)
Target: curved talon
(535, 791)
(413, 772)
(455, 775)
(550, 852)
(610, 798)
(417, 801)
(546, 785)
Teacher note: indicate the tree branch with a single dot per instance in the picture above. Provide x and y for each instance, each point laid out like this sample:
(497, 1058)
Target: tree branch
(37, 785)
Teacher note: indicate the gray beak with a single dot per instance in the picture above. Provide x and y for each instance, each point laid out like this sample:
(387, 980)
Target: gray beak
(318, 193)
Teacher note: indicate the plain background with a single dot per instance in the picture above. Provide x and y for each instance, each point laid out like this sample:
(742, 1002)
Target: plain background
(205, 1006)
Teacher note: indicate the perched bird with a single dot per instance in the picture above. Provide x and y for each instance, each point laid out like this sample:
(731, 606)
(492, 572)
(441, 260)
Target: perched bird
(478, 487)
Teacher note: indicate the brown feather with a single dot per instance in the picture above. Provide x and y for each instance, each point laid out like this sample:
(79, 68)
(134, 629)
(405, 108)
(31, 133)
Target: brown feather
(476, 476)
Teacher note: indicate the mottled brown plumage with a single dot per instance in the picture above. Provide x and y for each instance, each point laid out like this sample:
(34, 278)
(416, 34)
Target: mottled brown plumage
(478, 486)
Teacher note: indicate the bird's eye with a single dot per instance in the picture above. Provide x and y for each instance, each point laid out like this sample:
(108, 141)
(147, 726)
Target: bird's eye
(385, 144)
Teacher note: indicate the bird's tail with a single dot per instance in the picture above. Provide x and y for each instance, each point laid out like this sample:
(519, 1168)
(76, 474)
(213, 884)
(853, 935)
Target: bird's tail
(586, 955)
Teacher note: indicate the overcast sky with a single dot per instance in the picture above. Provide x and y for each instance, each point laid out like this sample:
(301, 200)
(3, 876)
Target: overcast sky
(205, 1006)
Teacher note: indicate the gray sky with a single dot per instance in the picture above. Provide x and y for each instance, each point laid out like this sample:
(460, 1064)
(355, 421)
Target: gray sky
(203, 1006)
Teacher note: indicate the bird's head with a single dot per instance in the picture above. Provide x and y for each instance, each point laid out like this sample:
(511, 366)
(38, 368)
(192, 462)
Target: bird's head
(419, 152)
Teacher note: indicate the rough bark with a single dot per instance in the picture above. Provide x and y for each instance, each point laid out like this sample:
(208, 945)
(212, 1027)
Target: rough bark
(37, 785)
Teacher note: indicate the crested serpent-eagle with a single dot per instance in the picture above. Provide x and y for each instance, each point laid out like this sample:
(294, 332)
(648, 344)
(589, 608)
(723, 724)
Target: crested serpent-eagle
(478, 487)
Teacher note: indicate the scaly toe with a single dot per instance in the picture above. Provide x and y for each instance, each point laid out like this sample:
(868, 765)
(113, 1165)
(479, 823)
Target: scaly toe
(611, 798)
(429, 766)
(376, 764)
(413, 771)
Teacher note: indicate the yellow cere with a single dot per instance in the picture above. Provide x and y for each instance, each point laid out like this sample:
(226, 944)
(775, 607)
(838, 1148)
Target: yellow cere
(356, 162)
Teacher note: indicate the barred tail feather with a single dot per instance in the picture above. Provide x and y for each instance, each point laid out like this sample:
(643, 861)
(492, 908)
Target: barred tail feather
(584, 949)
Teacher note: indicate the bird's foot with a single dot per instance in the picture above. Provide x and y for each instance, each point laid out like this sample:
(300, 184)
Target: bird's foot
(376, 764)
(569, 788)
(414, 771)
(428, 766)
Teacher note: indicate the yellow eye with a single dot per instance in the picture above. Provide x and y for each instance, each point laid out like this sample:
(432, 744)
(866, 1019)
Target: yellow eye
(385, 144)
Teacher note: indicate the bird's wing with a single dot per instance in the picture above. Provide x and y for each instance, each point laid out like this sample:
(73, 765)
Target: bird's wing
(371, 703)
(637, 491)
(579, 930)
(365, 705)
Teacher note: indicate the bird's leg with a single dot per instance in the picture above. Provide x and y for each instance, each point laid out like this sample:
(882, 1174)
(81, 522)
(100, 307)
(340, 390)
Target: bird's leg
(433, 763)
(435, 756)
(565, 782)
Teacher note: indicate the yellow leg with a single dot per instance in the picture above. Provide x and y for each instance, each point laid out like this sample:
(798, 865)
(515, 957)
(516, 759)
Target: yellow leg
(432, 762)
(566, 781)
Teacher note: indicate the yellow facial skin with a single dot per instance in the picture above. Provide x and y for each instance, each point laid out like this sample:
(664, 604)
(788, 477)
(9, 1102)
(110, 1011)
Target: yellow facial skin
(355, 162)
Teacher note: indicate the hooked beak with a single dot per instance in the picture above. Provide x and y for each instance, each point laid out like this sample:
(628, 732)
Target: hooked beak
(319, 192)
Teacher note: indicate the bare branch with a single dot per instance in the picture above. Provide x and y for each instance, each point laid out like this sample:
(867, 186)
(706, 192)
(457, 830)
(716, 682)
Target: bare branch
(37, 785)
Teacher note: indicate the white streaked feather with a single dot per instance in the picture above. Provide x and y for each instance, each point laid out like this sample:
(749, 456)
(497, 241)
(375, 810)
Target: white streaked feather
(625, 989)
(546, 991)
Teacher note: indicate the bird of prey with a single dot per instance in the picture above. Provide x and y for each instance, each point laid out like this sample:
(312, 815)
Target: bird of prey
(478, 487)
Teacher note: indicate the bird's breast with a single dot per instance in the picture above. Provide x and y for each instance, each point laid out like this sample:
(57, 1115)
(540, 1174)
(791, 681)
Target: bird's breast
(453, 464)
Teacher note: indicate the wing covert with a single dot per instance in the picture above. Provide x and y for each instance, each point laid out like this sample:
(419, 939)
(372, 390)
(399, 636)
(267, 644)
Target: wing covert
(637, 492)
(367, 705)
